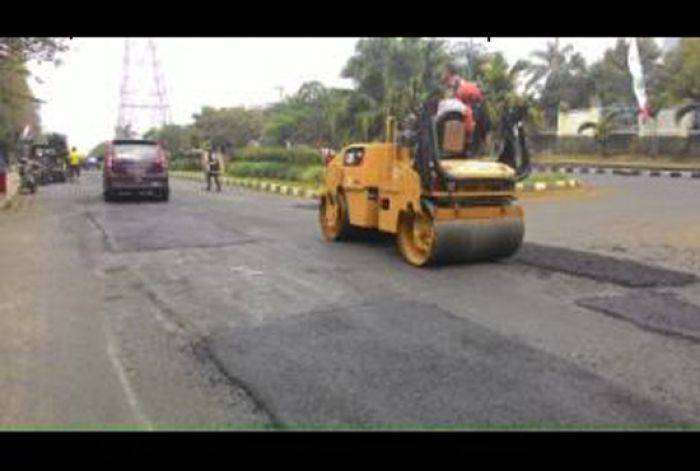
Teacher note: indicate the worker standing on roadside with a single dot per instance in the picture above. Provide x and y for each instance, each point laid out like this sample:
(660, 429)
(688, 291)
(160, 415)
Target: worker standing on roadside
(472, 97)
(213, 165)
(74, 159)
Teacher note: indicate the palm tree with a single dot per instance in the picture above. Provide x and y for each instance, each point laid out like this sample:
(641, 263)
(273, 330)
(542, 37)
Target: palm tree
(602, 128)
(550, 65)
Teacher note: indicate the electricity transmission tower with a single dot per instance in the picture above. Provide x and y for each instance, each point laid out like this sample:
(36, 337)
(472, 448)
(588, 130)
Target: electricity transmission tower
(143, 102)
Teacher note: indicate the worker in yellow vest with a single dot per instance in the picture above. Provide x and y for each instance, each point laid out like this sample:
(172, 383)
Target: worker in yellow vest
(74, 161)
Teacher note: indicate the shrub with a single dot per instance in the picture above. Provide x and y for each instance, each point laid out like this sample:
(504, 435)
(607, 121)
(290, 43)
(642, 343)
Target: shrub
(313, 174)
(277, 171)
(295, 155)
(184, 164)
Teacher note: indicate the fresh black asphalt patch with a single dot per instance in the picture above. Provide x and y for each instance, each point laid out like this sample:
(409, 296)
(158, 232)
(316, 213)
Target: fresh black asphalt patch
(657, 312)
(149, 227)
(600, 267)
(414, 364)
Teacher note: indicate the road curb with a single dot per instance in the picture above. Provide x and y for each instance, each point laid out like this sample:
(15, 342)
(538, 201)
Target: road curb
(621, 171)
(269, 187)
(547, 186)
(301, 192)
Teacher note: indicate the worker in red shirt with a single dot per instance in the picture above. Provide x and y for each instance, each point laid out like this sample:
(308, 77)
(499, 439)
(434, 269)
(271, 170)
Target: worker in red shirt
(469, 94)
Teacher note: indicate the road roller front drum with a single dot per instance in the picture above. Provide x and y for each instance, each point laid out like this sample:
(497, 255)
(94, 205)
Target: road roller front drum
(423, 241)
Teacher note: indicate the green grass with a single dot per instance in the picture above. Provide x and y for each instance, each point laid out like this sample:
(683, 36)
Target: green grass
(277, 171)
(534, 178)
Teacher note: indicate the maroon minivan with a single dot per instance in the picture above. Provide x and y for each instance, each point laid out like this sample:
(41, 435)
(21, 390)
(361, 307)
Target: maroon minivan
(135, 166)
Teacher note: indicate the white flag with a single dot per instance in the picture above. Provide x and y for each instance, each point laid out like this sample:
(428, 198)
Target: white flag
(635, 65)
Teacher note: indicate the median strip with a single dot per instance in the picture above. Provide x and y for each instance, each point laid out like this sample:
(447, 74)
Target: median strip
(272, 187)
(620, 171)
(299, 191)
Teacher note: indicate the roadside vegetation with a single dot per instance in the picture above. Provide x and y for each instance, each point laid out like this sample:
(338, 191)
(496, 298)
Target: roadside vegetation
(19, 108)
(390, 76)
(393, 76)
(310, 176)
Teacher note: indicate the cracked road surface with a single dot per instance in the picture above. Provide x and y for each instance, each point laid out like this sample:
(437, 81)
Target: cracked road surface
(229, 310)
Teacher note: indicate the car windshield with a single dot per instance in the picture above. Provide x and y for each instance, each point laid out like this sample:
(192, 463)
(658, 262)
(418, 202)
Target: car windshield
(135, 151)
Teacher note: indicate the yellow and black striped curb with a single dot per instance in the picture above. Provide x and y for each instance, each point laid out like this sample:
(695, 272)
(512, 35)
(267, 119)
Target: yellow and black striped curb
(546, 186)
(293, 190)
(290, 190)
(619, 170)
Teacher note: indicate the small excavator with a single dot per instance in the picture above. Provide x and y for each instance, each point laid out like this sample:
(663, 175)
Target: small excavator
(425, 186)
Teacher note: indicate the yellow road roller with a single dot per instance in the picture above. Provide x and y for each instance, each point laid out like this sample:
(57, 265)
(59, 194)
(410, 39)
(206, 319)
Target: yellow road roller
(443, 205)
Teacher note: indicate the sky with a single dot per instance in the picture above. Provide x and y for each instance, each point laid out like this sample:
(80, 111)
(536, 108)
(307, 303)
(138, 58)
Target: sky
(82, 94)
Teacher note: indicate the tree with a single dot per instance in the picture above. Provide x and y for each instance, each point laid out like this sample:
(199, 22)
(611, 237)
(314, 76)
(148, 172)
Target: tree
(99, 150)
(394, 76)
(612, 78)
(681, 74)
(601, 129)
(177, 139)
(558, 75)
(469, 58)
(315, 115)
(228, 128)
(25, 49)
(499, 82)
(18, 106)
(282, 124)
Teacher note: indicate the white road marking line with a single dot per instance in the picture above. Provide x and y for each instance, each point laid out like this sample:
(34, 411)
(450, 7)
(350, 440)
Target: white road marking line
(126, 386)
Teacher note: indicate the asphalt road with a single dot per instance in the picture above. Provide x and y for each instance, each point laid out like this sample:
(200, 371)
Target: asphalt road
(229, 310)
